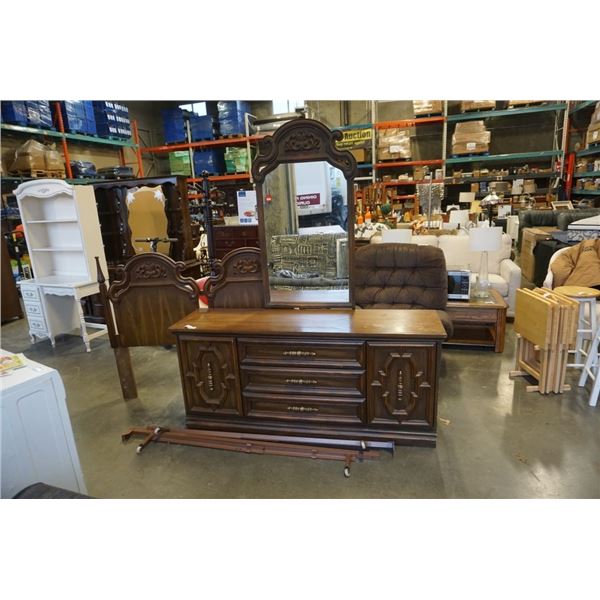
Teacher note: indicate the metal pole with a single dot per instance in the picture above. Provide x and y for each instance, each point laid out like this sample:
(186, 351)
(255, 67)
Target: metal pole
(190, 149)
(444, 138)
(61, 128)
(207, 208)
(138, 152)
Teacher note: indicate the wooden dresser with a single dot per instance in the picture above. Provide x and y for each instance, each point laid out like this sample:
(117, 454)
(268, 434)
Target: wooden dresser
(338, 374)
(230, 237)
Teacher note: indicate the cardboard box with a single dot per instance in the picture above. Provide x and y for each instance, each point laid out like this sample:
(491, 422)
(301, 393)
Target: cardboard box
(467, 105)
(419, 173)
(470, 148)
(531, 236)
(593, 133)
(360, 154)
(470, 126)
(529, 186)
(474, 187)
(427, 107)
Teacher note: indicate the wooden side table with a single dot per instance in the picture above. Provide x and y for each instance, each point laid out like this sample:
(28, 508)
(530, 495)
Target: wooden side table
(478, 322)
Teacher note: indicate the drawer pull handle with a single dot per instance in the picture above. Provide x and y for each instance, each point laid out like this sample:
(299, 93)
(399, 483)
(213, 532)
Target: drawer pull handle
(302, 409)
(298, 353)
(302, 381)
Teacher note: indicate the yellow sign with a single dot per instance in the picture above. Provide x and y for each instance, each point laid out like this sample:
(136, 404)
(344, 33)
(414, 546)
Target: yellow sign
(355, 138)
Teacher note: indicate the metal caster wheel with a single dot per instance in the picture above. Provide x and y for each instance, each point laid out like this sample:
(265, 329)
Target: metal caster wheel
(139, 449)
(346, 472)
(157, 430)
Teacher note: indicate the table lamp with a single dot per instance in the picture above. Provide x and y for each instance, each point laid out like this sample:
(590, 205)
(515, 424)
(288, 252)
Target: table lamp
(489, 202)
(484, 240)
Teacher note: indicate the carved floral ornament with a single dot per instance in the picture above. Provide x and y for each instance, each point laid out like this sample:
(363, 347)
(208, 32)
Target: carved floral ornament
(149, 271)
(302, 141)
(246, 265)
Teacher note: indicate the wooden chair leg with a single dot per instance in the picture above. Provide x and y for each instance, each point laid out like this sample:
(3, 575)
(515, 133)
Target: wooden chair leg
(126, 376)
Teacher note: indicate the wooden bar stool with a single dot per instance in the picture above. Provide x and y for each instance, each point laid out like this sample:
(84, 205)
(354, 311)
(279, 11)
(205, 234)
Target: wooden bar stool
(587, 325)
(592, 368)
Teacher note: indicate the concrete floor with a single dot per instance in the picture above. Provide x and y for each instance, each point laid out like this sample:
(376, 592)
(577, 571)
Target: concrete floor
(495, 439)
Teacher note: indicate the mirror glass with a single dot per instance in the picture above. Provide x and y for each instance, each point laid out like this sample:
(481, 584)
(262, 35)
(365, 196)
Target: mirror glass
(147, 218)
(305, 208)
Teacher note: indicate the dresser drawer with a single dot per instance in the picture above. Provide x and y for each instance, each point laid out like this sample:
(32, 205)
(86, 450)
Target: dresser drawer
(314, 382)
(301, 353)
(350, 411)
(29, 292)
(37, 325)
(34, 308)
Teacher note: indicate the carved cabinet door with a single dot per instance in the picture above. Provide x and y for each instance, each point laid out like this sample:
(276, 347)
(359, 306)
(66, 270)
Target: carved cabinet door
(401, 385)
(209, 373)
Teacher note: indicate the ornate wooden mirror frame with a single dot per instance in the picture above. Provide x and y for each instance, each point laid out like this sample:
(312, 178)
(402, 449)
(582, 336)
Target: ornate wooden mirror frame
(301, 141)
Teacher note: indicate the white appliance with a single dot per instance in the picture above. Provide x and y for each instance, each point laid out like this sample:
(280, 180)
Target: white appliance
(36, 438)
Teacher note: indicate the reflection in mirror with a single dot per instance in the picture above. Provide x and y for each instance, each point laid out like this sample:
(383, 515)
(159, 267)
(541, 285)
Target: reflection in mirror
(147, 218)
(305, 209)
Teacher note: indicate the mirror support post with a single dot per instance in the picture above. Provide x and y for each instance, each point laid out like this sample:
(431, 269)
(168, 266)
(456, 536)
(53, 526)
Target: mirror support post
(208, 225)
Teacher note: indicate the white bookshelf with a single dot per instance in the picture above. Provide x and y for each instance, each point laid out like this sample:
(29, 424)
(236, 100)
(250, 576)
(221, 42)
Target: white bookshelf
(62, 231)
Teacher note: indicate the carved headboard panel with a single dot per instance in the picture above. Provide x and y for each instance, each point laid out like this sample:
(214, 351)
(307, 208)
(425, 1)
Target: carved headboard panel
(238, 281)
(150, 295)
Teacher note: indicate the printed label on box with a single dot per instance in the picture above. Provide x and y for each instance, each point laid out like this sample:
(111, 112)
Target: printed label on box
(471, 145)
(308, 199)
(246, 201)
(395, 149)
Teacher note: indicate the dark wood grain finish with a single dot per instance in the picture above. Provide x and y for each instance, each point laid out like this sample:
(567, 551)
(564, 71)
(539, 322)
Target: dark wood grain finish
(299, 352)
(401, 387)
(149, 295)
(300, 381)
(299, 141)
(111, 202)
(11, 307)
(337, 374)
(342, 323)
(232, 237)
(209, 376)
(237, 281)
(479, 322)
(295, 409)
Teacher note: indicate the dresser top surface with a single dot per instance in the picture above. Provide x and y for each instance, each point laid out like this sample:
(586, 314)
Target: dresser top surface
(379, 323)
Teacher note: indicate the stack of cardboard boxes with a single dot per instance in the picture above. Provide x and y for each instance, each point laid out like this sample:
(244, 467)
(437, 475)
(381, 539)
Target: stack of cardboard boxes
(427, 107)
(467, 105)
(593, 133)
(393, 144)
(471, 137)
(33, 156)
(179, 163)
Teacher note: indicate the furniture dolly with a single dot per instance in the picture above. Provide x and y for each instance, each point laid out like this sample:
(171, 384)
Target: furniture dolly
(546, 327)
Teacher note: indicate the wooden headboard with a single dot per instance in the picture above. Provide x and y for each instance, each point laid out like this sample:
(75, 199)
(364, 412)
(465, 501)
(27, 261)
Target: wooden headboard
(238, 281)
(149, 296)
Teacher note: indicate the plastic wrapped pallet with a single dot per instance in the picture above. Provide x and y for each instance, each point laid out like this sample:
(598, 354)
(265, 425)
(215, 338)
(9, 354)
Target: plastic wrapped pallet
(112, 119)
(471, 137)
(203, 127)
(83, 168)
(593, 133)
(35, 156)
(427, 107)
(467, 105)
(236, 159)
(393, 144)
(14, 112)
(179, 163)
(173, 125)
(211, 161)
(232, 116)
(38, 113)
(78, 116)
(53, 159)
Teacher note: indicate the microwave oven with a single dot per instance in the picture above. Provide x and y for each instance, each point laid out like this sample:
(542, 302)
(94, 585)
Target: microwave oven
(459, 284)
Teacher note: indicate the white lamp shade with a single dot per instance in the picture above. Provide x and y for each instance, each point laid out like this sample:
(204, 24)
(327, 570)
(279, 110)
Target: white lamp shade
(396, 236)
(459, 216)
(466, 197)
(485, 239)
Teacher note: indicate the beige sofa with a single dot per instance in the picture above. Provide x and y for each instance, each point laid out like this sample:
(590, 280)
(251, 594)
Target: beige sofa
(504, 274)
